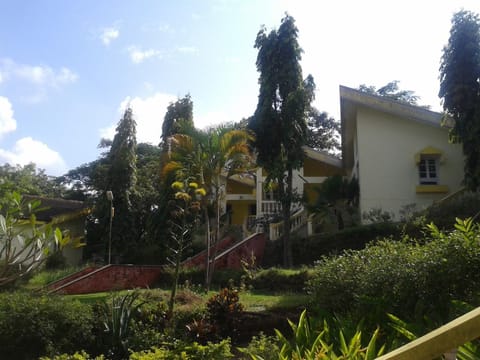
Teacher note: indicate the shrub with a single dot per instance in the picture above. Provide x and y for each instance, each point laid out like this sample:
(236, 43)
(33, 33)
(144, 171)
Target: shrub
(180, 350)
(282, 280)
(311, 341)
(117, 314)
(82, 355)
(263, 347)
(32, 326)
(443, 213)
(224, 311)
(403, 278)
(55, 261)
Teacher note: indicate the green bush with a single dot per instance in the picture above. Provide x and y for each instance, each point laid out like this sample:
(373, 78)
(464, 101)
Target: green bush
(306, 251)
(82, 355)
(403, 278)
(32, 326)
(195, 276)
(180, 350)
(55, 261)
(262, 346)
(443, 213)
(281, 280)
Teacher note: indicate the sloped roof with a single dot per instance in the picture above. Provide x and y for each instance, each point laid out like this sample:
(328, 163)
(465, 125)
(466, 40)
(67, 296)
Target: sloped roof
(352, 99)
(53, 207)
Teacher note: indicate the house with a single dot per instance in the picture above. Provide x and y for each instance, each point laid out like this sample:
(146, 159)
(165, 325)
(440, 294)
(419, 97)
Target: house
(399, 153)
(68, 215)
(250, 205)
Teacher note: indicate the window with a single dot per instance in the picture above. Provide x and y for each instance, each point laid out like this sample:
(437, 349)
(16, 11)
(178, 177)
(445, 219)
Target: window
(428, 170)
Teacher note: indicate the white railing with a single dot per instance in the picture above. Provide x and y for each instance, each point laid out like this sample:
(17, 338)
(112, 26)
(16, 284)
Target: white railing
(298, 220)
(271, 207)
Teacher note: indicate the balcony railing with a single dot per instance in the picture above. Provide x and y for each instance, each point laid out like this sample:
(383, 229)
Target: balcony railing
(296, 222)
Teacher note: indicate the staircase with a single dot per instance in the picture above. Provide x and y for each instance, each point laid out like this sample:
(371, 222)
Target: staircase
(231, 253)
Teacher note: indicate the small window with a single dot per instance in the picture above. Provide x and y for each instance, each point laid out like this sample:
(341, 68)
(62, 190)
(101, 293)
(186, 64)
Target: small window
(428, 170)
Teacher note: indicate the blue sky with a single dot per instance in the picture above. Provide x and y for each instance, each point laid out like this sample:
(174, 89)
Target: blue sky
(69, 68)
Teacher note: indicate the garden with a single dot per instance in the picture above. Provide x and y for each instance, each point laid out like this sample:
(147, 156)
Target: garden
(354, 305)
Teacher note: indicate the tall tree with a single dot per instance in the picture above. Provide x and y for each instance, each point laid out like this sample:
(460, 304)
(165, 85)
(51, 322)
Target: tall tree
(120, 171)
(122, 177)
(460, 90)
(279, 121)
(179, 116)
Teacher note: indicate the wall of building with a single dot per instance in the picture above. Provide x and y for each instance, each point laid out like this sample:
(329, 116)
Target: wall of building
(240, 210)
(388, 172)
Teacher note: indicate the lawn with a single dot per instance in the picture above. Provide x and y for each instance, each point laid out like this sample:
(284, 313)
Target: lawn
(252, 301)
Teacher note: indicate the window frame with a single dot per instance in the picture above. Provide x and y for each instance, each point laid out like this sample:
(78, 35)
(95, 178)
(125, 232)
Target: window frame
(431, 175)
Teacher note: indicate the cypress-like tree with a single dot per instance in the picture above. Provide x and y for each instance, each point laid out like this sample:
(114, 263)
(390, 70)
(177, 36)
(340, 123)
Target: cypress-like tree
(122, 177)
(460, 90)
(279, 121)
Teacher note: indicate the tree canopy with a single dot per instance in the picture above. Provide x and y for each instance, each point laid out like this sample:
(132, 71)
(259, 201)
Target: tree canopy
(392, 91)
(179, 116)
(279, 121)
(460, 89)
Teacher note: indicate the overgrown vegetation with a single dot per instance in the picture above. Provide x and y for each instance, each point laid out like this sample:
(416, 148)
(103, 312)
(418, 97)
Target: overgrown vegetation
(405, 278)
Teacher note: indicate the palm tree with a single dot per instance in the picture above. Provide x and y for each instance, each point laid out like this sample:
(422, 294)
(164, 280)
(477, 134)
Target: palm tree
(209, 157)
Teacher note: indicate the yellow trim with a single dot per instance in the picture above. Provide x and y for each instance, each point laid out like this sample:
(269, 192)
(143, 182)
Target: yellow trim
(429, 150)
(432, 189)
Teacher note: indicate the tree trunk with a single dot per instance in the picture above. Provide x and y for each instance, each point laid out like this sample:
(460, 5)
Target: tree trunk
(286, 205)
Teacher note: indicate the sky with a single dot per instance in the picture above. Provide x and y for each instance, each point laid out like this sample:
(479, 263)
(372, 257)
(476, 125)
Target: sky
(68, 69)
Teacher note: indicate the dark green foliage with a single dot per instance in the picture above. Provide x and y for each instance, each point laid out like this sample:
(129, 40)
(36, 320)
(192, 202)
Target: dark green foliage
(195, 277)
(460, 89)
(27, 180)
(178, 119)
(279, 121)
(31, 326)
(392, 91)
(323, 132)
(119, 171)
(308, 250)
(56, 261)
(402, 278)
(280, 280)
(443, 214)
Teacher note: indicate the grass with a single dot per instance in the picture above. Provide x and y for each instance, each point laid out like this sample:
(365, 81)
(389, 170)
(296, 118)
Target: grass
(45, 277)
(252, 301)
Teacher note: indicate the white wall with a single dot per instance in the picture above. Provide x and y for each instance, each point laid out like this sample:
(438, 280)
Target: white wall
(386, 153)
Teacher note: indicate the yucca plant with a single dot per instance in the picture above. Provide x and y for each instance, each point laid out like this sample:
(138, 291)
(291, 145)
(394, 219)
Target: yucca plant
(117, 318)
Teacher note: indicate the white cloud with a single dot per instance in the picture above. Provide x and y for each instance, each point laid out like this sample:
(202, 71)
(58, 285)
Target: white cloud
(138, 55)
(108, 35)
(148, 113)
(27, 150)
(42, 75)
(187, 49)
(35, 81)
(7, 122)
